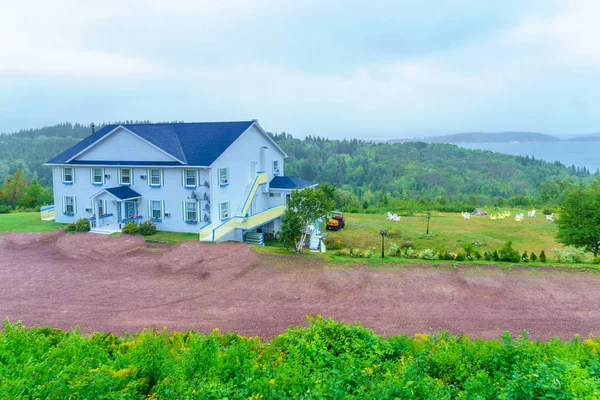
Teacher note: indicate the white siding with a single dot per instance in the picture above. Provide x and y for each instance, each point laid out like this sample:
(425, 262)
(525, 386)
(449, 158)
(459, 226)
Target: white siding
(124, 146)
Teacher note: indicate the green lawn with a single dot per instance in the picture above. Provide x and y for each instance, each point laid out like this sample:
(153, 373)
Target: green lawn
(26, 222)
(172, 237)
(448, 231)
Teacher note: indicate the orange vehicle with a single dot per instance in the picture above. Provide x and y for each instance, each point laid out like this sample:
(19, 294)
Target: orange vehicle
(336, 222)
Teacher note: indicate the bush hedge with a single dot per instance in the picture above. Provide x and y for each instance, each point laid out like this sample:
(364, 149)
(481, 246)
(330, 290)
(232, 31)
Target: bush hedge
(327, 360)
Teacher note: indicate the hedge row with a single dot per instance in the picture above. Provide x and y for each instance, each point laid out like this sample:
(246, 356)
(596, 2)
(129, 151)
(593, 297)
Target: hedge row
(327, 360)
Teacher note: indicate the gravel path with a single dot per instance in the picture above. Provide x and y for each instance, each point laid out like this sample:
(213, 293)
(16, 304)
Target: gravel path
(123, 284)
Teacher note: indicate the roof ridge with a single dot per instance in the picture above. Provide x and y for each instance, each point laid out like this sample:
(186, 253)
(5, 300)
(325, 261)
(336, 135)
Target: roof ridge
(182, 123)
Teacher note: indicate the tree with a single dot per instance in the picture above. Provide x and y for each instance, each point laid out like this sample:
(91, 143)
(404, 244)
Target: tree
(579, 220)
(13, 189)
(304, 207)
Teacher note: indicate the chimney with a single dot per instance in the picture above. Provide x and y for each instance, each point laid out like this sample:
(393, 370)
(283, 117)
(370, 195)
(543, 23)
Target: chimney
(93, 128)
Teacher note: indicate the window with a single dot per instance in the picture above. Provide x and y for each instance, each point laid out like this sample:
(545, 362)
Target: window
(155, 177)
(191, 211)
(97, 176)
(156, 210)
(190, 178)
(101, 210)
(67, 175)
(276, 167)
(130, 209)
(223, 176)
(224, 209)
(125, 176)
(276, 194)
(69, 205)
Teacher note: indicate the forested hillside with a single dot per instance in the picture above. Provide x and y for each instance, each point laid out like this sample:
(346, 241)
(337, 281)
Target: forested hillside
(372, 174)
(367, 174)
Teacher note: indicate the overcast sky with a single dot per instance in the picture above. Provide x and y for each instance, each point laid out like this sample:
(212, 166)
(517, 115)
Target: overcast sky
(344, 68)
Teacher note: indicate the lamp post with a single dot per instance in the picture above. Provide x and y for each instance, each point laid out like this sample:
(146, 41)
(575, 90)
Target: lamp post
(428, 217)
(382, 233)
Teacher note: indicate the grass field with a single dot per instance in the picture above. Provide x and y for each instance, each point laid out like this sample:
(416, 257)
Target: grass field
(26, 222)
(448, 231)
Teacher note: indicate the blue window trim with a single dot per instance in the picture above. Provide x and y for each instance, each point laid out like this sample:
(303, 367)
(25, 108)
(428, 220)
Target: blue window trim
(96, 184)
(156, 220)
(92, 218)
(121, 177)
(67, 183)
(69, 214)
(155, 186)
(105, 216)
(191, 222)
(224, 184)
(190, 187)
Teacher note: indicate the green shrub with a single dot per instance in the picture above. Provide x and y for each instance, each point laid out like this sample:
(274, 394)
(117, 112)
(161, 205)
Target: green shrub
(460, 256)
(83, 225)
(366, 254)
(5, 209)
(488, 256)
(569, 255)
(596, 260)
(524, 257)
(71, 227)
(428, 254)
(147, 228)
(335, 244)
(407, 244)
(410, 253)
(477, 255)
(131, 228)
(508, 254)
(542, 256)
(495, 256)
(533, 257)
(344, 252)
(394, 250)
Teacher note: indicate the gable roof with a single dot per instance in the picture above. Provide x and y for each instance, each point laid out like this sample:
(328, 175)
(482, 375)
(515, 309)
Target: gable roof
(195, 143)
(121, 192)
(289, 183)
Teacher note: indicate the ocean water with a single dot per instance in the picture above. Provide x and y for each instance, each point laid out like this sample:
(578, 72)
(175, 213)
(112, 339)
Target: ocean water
(569, 153)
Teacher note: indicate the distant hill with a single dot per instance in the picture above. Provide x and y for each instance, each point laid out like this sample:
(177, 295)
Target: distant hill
(483, 137)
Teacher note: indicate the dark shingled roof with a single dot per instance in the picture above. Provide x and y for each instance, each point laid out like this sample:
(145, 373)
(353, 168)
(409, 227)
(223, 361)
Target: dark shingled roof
(123, 192)
(287, 182)
(196, 143)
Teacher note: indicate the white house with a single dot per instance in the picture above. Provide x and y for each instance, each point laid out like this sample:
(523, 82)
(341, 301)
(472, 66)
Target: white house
(221, 180)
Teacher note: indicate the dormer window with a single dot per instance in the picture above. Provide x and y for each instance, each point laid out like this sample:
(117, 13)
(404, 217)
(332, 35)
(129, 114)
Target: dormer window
(97, 176)
(67, 175)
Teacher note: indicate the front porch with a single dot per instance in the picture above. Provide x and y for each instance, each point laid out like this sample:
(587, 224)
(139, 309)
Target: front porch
(111, 208)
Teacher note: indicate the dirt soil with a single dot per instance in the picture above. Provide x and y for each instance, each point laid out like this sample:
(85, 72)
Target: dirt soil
(119, 284)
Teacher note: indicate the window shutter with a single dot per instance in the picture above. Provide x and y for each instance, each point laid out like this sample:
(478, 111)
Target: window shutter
(148, 177)
(64, 207)
(91, 175)
(119, 176)
(131, 174)
(75, 205)
(183, 214)
(162, 213)
(73, 174)
(92, 204)
(149, 210)
(162, 177)
(197, 211)
(104, 175)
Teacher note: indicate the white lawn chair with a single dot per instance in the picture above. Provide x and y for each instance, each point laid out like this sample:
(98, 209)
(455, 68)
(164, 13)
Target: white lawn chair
(531, 214)
(549, 217)
(390, 217)
(466, 215)
(519, 218)
(395, 218)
